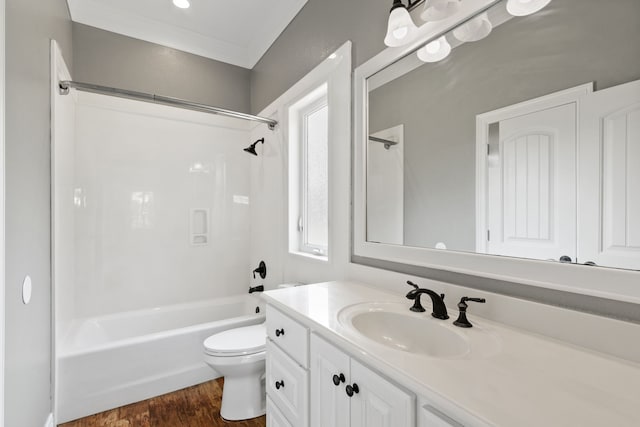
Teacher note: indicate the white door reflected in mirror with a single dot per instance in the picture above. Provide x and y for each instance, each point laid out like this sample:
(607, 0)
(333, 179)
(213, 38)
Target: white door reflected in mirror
(530, 192)
(609, 180)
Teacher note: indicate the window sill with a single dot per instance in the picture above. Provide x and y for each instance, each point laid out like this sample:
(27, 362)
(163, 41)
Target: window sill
(319, 258)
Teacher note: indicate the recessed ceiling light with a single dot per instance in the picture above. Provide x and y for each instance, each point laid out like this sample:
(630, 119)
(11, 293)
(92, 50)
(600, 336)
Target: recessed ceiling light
(182, 4)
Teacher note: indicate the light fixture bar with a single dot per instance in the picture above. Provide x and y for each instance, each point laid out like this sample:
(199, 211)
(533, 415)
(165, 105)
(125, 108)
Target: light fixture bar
(65, 85)
(413, 4)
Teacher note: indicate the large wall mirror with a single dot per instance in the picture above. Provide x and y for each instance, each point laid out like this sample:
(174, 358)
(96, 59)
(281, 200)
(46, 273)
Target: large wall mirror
(515, 137)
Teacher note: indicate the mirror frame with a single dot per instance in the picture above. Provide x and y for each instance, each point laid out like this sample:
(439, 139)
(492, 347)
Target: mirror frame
(602, 282)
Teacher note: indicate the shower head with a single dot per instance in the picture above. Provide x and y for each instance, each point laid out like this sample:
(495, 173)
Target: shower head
(252, 148)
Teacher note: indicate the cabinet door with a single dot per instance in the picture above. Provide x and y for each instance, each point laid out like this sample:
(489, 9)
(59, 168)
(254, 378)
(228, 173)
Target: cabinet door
(379, 403)
(287, 385)
(274, 416)
(329, 403)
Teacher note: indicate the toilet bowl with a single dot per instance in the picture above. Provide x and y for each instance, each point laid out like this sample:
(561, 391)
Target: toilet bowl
(239, 356)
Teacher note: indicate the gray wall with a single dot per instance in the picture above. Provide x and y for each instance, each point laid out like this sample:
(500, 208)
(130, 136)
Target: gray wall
(30, 24)
(320, 28)
(110, 59)
(522, 59)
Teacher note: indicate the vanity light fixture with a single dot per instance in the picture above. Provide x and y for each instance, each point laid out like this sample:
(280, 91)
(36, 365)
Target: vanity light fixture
(437, 10)
(182, 4)
(400, 29)
(525, 7)
(435, 51)
(475, 29)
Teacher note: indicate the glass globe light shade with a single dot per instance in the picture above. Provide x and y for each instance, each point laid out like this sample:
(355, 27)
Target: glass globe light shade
(525, 7)
(437, 10)
(435, 51)
(401, 29)
(474, 29)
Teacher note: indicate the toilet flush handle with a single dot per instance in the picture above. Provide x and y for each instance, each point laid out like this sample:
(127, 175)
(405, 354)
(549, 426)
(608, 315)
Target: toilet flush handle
(279, 384)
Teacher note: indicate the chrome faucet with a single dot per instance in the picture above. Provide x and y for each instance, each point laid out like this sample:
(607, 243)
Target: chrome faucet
(437, 301)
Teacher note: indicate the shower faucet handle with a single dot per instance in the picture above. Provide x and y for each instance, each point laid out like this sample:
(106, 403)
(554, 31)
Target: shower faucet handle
(261, 270)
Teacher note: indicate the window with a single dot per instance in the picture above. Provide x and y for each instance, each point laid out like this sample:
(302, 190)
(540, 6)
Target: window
(309, 173)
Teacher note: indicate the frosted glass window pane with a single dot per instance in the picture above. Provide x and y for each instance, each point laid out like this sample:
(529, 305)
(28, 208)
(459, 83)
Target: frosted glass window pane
(317, 191)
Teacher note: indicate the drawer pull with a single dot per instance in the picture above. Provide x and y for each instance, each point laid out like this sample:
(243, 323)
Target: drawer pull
(279, 332)
(337, 379)
(352, 389)
(279, 384)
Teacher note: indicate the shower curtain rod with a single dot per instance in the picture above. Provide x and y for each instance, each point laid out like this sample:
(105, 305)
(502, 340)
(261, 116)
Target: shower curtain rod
(387, 143)
(65, 85)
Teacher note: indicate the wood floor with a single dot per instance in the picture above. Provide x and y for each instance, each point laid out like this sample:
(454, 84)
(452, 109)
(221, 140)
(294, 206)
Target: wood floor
(197, 406)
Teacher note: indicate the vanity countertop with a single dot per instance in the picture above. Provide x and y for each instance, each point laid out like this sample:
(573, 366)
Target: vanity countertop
(530, 380)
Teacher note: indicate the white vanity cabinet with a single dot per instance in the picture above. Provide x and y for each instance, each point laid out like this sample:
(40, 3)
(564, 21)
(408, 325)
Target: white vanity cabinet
(275, 418)
(287, 376)
(430, 416)
(346, 393)
(311, 382)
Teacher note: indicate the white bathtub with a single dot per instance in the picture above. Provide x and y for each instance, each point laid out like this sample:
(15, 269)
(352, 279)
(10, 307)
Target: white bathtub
(109, 361)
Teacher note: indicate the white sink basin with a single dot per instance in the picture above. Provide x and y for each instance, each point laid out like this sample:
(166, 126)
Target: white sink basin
(392, 325)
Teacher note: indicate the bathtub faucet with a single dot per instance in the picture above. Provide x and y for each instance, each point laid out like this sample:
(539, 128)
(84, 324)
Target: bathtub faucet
(261, 270)
(259, 288)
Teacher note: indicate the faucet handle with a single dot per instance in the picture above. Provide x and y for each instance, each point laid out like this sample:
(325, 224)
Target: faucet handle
(462, 320)
(409, 282)
(482, 300)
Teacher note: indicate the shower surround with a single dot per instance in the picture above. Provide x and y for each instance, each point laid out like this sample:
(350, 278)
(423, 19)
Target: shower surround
(151, 209)
(161, 206)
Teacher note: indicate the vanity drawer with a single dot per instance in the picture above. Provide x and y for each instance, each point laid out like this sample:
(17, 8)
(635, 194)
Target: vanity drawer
(287, 385)
(274, 416)
(290, 336)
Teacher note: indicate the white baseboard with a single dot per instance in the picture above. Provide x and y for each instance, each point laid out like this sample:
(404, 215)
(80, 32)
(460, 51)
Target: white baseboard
(49, 422)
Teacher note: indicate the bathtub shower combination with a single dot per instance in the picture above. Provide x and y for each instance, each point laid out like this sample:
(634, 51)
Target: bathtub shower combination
(151, 254)
(113, 360)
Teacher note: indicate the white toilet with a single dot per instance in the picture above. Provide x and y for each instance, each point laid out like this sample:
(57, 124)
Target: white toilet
(239, 355)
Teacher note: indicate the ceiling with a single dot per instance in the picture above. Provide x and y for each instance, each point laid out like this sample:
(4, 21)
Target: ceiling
(237, 32)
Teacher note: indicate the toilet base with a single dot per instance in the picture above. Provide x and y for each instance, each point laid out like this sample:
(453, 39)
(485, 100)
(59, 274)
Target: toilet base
(243, 397)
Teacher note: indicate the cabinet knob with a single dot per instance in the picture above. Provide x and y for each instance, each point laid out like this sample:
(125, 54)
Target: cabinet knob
(279, 332)
(351, 389)
(337, 379)
(279, 384)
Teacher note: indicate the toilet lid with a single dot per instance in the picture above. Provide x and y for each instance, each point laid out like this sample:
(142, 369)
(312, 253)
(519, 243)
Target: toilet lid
(238, 341)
